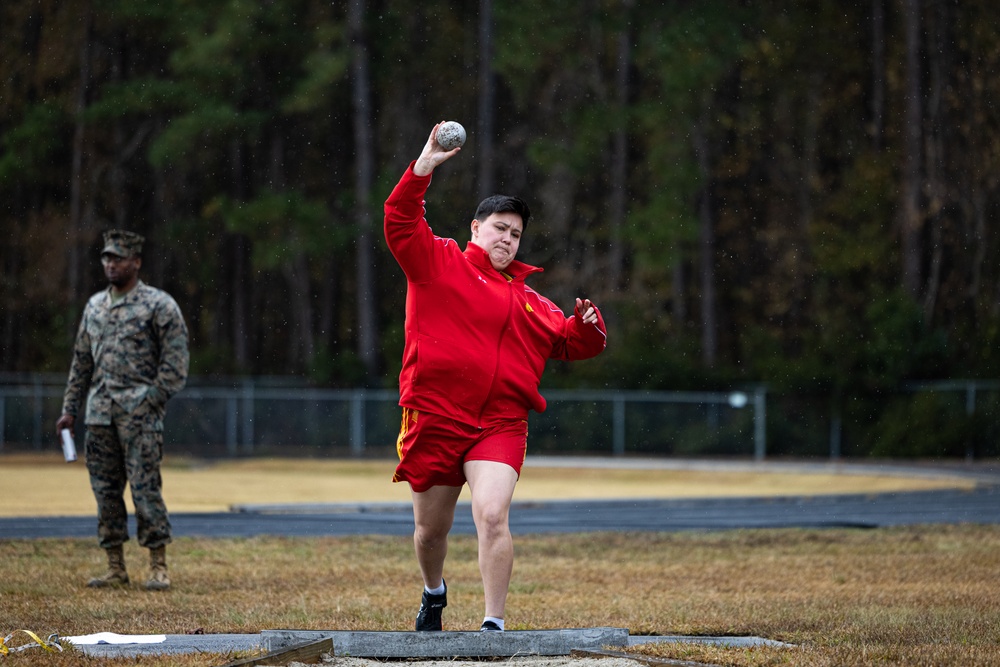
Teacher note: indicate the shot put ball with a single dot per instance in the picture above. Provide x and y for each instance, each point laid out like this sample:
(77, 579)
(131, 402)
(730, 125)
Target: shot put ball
(451, 135)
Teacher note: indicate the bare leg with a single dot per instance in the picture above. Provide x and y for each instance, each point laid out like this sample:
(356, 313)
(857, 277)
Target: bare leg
(492, 486)
(433, 515)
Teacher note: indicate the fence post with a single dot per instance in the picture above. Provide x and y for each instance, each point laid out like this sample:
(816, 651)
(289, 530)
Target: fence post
(836, 425)
(358, 422)
(970, 409)
(835, 431)
(232, 433)
(247, 401)
(36, 390)
(618, 425)
(759, 423)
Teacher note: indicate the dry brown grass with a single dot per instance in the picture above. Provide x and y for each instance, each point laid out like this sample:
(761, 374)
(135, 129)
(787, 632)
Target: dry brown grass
(924, 595)
(906, 596)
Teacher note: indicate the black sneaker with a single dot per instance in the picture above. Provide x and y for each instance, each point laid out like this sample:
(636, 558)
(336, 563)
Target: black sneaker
(490, 626)
(429, 616)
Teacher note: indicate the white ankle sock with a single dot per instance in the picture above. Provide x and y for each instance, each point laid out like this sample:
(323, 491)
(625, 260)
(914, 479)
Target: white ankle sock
(437, 591)
(498, 621)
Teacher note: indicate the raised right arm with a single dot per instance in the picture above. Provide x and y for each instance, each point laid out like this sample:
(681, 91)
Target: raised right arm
(420, 253)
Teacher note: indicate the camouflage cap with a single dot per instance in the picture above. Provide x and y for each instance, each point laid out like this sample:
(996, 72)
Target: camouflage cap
(122, 243)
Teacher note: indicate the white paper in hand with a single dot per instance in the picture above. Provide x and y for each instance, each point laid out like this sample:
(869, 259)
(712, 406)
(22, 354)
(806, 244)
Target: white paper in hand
(69, 449)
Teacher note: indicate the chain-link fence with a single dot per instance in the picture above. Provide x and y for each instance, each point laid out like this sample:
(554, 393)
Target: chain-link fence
(277, 417)
(268, 417)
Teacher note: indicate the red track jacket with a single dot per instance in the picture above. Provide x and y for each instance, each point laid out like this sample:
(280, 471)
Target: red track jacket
(476, 342)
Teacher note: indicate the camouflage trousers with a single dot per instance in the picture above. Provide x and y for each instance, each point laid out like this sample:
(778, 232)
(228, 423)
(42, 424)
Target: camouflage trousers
(129, 450)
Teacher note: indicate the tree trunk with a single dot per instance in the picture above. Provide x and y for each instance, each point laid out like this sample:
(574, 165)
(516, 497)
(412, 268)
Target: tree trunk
(242, 283)
(296, 272)
(706, 247)
(878, 74)
(911, 220)
(367, 294)
(939, 61)
(619, 152)
(116, 172)
(486, 176)
(78, 234)
(329, 324)
(239, 277)
(801, 261)
(678, 300)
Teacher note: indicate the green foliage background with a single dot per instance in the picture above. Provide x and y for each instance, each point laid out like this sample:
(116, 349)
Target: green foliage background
(761, 140)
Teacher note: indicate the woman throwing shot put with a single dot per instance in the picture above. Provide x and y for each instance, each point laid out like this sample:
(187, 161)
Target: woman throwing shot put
(477, 340)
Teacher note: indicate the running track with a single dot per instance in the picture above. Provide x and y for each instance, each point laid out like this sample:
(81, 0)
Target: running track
(950, 506)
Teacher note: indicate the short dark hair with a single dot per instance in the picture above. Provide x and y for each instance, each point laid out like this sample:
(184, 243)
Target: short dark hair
(504, 204)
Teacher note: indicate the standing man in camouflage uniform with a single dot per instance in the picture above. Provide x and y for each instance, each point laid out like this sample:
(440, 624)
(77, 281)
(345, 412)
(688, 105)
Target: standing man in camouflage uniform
(130, 357)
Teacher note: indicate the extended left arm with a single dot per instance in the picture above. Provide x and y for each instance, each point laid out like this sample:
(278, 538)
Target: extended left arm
(584, 334)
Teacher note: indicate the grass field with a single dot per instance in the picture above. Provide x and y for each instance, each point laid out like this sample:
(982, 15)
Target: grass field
(921, 595)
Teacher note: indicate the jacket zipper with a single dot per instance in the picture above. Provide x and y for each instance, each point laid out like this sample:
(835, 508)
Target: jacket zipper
(503, 332)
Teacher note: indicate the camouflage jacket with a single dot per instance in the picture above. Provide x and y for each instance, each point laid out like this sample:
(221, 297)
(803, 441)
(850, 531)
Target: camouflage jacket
(127, 352)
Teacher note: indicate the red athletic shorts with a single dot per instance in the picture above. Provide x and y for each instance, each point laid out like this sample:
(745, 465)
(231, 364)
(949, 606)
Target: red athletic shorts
(432, 449)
